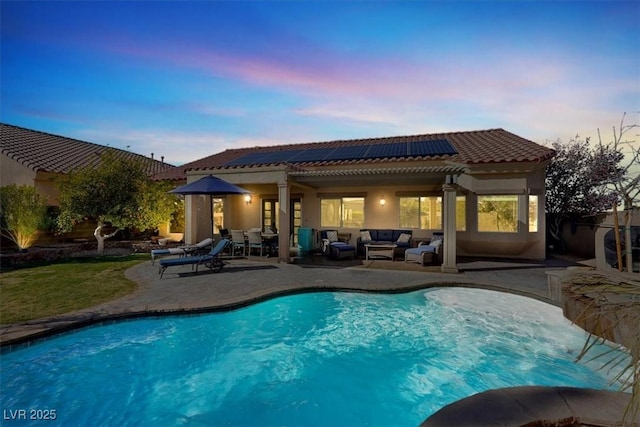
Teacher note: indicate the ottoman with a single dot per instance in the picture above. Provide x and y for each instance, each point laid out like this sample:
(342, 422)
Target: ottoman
(422, 254)
(340, 250)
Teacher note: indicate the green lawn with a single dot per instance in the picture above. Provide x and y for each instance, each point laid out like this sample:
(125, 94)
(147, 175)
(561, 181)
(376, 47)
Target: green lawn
(48, 290)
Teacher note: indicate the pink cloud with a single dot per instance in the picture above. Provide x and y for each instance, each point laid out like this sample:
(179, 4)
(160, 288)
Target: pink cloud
(486, 80)
(540, 97)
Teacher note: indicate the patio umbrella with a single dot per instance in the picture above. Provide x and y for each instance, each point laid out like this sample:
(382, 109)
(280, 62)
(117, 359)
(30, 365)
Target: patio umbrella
(212, 186)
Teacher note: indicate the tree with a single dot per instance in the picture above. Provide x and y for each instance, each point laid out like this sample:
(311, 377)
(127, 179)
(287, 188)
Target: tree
(625, 179)
(158, 205)
(116, 192)
(577, 183)
(22, 212)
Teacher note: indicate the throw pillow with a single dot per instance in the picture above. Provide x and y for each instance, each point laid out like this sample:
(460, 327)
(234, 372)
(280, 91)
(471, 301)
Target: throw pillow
(404, 238)
(365, 236)
(436, 238)
(436, 243)
(332, 236)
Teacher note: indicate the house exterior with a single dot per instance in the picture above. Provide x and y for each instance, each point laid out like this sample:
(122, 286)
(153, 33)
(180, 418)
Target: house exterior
(485, 189)
(29, 157)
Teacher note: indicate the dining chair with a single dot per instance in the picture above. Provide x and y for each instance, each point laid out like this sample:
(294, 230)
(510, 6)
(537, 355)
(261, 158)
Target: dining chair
(255, 241)
(238, 242)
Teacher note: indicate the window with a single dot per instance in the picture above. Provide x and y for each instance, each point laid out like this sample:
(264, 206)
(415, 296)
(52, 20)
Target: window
(533, 214)
(461, 213)
(342, 212)
(270, 214)
(498, 214)
(296, 220)
(420, 212)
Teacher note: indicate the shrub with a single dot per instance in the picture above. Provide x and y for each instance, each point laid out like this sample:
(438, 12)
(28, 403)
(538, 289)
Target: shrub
(22, 213)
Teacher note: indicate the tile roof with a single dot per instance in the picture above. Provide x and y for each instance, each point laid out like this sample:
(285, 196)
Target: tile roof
(45, 152)
(470, 148)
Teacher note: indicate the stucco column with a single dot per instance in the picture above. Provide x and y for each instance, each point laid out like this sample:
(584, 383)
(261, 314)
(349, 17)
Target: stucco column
(284, 225)
(190, 218)
(449, 264)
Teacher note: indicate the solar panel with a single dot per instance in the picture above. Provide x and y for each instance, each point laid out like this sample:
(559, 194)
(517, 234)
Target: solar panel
(348, 153)
(280, 156)
(247, 159)
(434, 147)
(263, 157)
(313, 155)
(396, 149)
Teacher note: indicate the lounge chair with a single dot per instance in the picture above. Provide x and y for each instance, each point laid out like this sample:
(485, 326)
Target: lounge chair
(212, 260)
(182, 250)
(426, 253)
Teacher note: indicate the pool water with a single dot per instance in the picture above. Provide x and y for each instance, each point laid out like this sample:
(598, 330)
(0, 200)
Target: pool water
(314, 359)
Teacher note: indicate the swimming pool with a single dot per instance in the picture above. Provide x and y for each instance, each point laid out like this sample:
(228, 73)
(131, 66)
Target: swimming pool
(309, 359)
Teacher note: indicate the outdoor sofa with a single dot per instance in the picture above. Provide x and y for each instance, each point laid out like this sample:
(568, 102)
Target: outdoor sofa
(401, 238)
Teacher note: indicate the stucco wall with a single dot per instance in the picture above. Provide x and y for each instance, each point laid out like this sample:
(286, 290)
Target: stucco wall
(519, 244)
(46, 186)
(12, 172)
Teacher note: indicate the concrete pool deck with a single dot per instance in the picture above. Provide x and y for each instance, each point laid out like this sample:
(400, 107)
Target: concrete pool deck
(245, 281)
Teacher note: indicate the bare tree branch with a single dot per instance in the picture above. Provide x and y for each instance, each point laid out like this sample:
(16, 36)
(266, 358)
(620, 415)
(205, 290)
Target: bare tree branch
(625, 182)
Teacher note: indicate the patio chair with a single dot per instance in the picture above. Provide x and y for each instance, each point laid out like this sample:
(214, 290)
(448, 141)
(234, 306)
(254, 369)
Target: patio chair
(238, 242)
(255, 241)
(212, 260)
(329, 237)
(182, 250)
(336, 245)
(426, 253)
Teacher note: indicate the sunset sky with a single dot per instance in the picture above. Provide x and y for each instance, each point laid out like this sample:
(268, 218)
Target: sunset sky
(185, 80)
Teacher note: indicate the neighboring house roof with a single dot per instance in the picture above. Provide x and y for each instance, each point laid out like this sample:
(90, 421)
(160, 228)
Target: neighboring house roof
(472, 147)
(45, 152)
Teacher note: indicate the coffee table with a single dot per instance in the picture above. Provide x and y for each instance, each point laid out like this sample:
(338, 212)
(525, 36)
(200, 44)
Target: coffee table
(377, 251)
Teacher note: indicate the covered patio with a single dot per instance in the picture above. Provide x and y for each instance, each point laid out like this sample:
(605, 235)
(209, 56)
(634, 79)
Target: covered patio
(484, 190)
